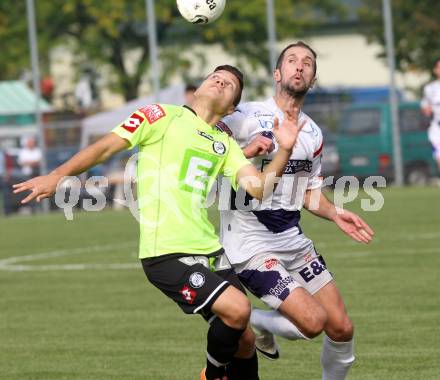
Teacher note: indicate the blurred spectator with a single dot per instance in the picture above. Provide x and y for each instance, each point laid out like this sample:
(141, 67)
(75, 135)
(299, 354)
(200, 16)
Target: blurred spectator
(86, 91)
(189, 94)
(2, 164)
(29, 157)
(2, 169)
(431, 107)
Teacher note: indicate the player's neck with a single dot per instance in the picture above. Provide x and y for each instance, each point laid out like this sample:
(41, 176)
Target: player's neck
(286, 102)
(206, 113)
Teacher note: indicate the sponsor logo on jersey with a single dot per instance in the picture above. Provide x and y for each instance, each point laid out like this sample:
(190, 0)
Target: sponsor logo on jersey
(188, 294)
(224, 128)
(263, 114)
(270, 263)
(133, 122)
(197, 280)
(266, 124)
(218, 147)
(293, 166)
(153, 112)
(205, 135)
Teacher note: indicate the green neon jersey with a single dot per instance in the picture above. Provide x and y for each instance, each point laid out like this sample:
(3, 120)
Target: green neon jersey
(180, 157)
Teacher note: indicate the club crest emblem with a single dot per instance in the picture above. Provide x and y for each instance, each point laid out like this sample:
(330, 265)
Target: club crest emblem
(197, 280)
(218, 147)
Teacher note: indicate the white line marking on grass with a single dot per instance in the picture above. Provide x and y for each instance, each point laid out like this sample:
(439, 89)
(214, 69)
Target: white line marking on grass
(68, 267)
(9, 264)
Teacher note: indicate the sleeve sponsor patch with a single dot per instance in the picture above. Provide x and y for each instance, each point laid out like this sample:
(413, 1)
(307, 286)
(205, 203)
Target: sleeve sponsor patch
(153, 112)
(133, 122)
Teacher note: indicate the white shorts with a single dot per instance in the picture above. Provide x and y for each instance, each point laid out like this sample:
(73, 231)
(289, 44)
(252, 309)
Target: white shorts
(273, 276)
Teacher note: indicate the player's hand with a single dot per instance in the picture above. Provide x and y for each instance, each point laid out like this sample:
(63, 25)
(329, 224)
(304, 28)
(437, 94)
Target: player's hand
(260, 145)
(287, 133)
(353, 225)
(40, 187)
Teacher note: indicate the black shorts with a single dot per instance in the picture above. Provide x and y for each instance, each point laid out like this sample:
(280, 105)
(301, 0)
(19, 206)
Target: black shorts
(193, 282)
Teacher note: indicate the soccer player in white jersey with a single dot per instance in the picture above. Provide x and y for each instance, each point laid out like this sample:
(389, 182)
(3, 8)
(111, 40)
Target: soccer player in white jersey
(266, 245)
(431, 108)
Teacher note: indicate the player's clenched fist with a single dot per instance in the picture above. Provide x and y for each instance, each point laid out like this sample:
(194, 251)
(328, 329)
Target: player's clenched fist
(260, 145)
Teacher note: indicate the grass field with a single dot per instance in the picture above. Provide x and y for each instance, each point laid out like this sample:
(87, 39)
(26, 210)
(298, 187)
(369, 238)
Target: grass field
(76, 305)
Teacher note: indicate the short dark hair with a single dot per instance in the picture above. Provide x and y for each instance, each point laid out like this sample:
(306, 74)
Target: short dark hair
(190, 87)
(238, 74)
(296, 44)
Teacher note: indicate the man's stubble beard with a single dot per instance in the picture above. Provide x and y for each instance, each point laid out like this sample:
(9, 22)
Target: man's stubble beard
(295, 93)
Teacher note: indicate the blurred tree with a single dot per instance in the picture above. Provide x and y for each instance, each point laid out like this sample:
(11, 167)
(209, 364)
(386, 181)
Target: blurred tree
(14, 43)
(416, 31)
(113, 34)
(12, 31)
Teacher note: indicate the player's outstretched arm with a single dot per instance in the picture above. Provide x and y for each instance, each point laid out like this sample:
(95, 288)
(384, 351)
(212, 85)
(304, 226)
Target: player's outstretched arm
(45, 186)
(350, 223)
(286, 134)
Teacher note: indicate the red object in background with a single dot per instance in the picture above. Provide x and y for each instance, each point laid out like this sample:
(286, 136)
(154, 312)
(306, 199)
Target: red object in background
(47, 87)
(384, 161)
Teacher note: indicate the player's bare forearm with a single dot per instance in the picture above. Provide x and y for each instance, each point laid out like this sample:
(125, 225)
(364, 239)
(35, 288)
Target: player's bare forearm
(92, 155)
(318, 204)
(45, 186)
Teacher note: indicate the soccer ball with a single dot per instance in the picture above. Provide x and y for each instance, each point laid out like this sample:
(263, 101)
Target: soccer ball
(201, 11)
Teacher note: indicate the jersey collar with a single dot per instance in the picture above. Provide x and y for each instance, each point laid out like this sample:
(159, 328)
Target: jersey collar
(190, 109)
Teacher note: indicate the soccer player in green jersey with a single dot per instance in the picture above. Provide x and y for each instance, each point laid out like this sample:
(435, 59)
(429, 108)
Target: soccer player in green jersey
(180, 155)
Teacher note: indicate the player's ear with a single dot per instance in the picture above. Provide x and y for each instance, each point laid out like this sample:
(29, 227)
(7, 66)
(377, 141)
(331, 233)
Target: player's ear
(277, 75)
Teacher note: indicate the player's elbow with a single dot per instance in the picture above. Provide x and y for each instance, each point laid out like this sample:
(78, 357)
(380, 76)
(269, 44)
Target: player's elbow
(254, 185)
(256, 193)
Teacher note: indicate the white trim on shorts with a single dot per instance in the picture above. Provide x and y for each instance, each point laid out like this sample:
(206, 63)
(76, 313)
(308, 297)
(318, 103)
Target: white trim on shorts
(216, 290)
(213, 361)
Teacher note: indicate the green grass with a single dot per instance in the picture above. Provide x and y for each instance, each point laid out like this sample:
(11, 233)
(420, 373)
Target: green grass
(112, 324)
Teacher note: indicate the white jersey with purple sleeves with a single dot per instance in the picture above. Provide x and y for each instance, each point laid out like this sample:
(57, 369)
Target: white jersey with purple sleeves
(272, 226)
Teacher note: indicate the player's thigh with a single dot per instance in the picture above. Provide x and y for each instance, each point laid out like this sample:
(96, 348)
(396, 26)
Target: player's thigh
(233, 307)
(339, 326)
(303, 310)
